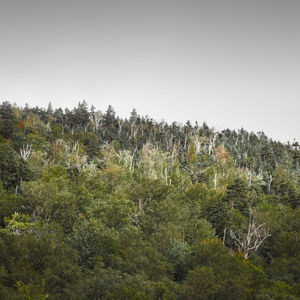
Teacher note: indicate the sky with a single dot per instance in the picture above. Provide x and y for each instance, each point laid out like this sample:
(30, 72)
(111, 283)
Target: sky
(232, 64)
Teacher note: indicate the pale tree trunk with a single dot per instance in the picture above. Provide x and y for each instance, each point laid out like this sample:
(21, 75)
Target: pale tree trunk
(215, 180)
(25, 151)
(140, 205)
(250, 242)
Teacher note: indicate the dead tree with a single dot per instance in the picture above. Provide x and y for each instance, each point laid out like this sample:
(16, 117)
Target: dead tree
(96, 120)
(25, 151)
(250, 242)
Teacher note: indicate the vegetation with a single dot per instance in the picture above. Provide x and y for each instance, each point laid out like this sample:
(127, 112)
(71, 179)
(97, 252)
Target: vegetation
(97, 207)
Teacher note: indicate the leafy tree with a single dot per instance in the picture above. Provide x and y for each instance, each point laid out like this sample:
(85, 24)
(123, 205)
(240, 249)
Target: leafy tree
(237, 196)
(216, 212)
(285, 187)
(7, 120)
(13, 169)
(93, 206)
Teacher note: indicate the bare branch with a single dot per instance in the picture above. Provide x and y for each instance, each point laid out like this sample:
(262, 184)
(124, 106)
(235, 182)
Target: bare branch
(250, 242)
(25, 151)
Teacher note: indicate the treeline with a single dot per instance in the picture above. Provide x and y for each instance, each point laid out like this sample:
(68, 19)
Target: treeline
(93, 206)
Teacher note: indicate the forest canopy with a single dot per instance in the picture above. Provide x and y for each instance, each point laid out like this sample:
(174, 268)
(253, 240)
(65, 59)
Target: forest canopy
(93, 206)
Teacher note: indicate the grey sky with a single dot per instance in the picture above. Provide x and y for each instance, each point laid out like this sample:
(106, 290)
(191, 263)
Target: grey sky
(231, 63)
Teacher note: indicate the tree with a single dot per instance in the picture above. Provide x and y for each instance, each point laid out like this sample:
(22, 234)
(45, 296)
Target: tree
(13, 168)
(50, 199)
(237, 196)
(109, 116)
(215, 273)
(216, 212)
(50, 109)
(81, 114)
(249, 243)
(7, 120)
(285, 186)
(96, 119)
(133, 116)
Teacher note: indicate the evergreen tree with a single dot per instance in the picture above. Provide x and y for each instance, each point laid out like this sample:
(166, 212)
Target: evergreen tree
(7, 120)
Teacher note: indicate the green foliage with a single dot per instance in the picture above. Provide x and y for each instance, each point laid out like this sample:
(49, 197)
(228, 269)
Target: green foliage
(286, 187)
(7, 120)
(12, 168)
(50, 198)
(216, 275)
(237, 196)
(216, 212)
(127, 293)
(17, 223)
(179, 255)
(107, 208)
(31, 292)
(9, 203)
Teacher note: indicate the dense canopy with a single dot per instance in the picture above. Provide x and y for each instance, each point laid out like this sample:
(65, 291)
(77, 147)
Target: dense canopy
(93, 206)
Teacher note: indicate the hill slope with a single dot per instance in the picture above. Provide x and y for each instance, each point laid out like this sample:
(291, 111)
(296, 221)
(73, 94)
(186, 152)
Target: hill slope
(97, 207)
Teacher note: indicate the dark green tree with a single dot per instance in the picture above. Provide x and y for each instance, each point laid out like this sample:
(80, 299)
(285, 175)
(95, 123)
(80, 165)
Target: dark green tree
(7, 120)
(238, 196)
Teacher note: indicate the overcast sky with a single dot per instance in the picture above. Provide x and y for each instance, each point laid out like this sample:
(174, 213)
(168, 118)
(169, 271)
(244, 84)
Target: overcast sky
(230, 63)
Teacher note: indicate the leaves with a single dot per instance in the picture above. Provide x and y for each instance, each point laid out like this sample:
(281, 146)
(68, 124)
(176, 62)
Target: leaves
(93, 206)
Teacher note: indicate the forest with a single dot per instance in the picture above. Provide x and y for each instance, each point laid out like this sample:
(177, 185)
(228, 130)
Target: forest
(94, 206)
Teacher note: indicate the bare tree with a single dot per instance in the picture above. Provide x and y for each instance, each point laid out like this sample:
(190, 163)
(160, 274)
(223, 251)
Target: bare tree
(25, 151)
(212, 142)
(96, 120)
(250, 242)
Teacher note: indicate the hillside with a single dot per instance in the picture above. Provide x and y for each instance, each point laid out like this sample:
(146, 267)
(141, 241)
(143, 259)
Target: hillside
(93, 206)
